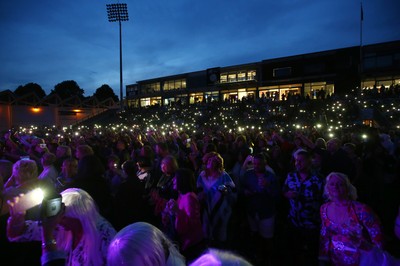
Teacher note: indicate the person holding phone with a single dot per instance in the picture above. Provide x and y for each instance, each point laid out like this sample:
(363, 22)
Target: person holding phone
(51, 255)
(82, 233)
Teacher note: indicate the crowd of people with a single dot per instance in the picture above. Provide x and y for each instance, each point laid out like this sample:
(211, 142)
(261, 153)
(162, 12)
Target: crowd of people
(268, 183)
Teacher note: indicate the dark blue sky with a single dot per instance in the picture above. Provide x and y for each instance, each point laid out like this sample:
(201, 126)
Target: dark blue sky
(48, 42)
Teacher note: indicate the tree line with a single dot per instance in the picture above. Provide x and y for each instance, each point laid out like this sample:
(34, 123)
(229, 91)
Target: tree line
(65, 90)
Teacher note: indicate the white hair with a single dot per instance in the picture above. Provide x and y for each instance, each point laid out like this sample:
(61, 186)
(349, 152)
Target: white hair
(143, 244)
(25, 170)
(351, 190)
(215, 257)
(80, 205)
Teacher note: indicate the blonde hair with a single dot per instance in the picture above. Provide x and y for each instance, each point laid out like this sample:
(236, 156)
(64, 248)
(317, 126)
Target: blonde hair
(351, 190)
(217, 160)
(143, 244)
(80, 205)
(24, 170)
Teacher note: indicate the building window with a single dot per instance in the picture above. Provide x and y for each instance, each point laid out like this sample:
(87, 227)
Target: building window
(318, 90)
(211, 96)
(282, 72)
(232, 77)
(150, 88)
(238, 76)
(196, 98)
(179, 84)
(251, 75)
(144, 102)
(224, 78)
(133, 103)
(241, 77)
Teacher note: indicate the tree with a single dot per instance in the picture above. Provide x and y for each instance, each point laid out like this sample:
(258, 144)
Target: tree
(67, 89)
(28, 88)
(105, 92)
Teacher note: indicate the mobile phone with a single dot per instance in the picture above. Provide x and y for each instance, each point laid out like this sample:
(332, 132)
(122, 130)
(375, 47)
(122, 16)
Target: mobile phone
(42, 145)
(51, 206)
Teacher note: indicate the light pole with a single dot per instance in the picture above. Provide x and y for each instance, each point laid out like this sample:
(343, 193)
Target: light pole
(118, 12)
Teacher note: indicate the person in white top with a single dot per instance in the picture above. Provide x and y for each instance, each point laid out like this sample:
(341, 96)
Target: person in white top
(49, 173)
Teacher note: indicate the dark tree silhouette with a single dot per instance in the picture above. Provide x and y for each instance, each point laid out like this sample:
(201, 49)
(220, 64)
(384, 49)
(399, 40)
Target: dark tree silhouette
(105, 92)
(28, 88)
(67, 89)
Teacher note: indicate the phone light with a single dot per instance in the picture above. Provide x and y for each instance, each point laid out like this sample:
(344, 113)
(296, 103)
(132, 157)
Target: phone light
(29, 200)
(37, 195)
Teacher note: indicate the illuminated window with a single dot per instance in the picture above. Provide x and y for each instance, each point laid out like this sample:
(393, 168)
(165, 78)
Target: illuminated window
(155, 101)
(179, 84)
(224, 78)
(241, 76)
(196, 98)
(145, 102)
(168, 85)
(251, 75)
(232, 77)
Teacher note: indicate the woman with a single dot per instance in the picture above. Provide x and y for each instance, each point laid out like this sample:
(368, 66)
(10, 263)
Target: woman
(184, 215)
(82, 232)
(217, 196)
(164, 190)
(69, 170)
(348, 226)
(24, 178)
(143, 244)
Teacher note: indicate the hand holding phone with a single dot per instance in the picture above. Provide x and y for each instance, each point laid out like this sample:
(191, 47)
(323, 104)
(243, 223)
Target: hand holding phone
(26, 201)
(51, 207)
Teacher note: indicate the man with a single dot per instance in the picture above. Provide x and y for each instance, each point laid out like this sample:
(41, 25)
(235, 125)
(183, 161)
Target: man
(304, 190)
(261, 192)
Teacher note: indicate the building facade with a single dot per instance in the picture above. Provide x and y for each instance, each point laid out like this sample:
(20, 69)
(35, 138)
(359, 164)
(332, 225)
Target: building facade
(310, 75)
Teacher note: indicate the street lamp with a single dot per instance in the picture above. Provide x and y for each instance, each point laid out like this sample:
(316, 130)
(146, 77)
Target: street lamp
(118, 12)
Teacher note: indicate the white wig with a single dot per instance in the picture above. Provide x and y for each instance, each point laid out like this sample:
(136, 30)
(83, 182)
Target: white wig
(143, 244)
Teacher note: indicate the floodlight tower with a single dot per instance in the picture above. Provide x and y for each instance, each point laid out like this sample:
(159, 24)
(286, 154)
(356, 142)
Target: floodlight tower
(118, 12)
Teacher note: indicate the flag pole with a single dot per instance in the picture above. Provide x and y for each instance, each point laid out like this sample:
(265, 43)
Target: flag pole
(361, 22)
(361, 30)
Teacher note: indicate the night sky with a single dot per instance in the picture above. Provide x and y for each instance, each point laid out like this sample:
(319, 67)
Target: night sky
(47, 42)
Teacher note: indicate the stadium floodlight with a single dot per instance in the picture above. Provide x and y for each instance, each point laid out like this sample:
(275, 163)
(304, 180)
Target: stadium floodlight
(117, 13)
